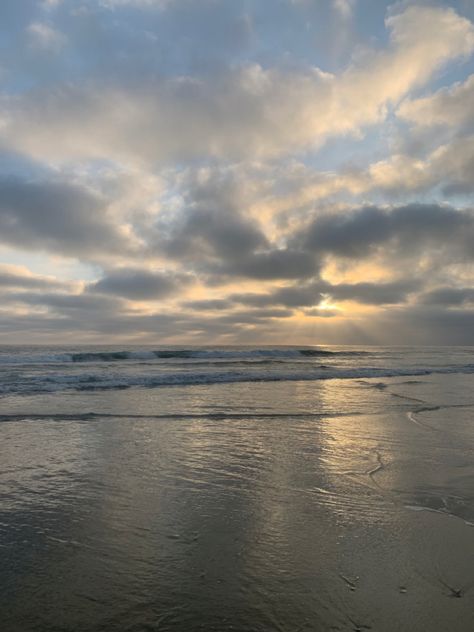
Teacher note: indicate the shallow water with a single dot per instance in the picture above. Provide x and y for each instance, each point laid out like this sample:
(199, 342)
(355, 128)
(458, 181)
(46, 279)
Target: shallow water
(292, 505)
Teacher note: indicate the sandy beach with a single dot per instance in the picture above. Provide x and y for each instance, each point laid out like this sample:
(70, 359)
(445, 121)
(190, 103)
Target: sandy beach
(323, 505)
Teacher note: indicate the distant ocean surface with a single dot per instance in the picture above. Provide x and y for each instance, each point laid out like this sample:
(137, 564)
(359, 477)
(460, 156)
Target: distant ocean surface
(236, 488)
(31, 370)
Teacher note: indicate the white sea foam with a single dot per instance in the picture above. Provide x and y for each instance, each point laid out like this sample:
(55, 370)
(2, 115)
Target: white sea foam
(109, 381)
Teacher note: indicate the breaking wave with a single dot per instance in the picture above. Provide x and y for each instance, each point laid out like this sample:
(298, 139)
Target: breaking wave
(175, 354)
(216, 354)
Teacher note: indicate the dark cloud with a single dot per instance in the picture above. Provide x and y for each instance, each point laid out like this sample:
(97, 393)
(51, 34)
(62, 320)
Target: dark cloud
(62, 217)
(313, 293)
(274, 264)
(72, 317)
(211, 227)
(92, 317)
(94, 327)
(357, 233)
(423, 325)
(347, 235)
(219, 233)
(139, 285)
(71, 303)
(208, 305)
(215, 236)
(297, 296)
(448, 296)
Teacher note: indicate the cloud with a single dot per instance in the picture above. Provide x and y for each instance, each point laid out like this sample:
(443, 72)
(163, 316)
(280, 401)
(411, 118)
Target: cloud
(209, 232)
(242, 111)
(448, 296)
(45, 37)
(220, 175)
(314, 293)
(445, 169)
(255, 316)
(208, 305)
(48, 5)
(423, 325)
(213, 233)
(69, 304)
(13, 276)
(374, 293)
(289, 296)
(448, 167)
(410, 230)
(319, 312)
(63, 217)
(344, 7)
(273, 264)
(450, 106)
(86, 323)
(138, 285)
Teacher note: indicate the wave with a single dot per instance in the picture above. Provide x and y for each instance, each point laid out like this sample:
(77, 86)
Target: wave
(145, 355)
(215, 354)
(108, 381)
(92, 416)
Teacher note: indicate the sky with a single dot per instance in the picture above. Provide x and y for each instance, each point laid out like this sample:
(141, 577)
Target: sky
(237, 172)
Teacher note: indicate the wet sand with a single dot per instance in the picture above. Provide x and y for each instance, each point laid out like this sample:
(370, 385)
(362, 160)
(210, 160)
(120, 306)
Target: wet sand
(343, 505)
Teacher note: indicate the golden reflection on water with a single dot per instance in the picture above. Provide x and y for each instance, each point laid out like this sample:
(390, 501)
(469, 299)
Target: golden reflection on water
(244, 510)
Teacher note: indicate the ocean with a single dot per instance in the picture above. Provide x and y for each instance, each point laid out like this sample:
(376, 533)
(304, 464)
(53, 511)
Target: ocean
(236, 488)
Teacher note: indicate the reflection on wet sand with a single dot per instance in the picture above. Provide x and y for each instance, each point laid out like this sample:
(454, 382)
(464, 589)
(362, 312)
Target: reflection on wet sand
(303, 520)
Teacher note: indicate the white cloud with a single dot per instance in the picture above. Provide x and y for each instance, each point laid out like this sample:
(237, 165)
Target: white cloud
(50, 4)
(45, 37)
(247, 111)
(344, 7)
(452, 106)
